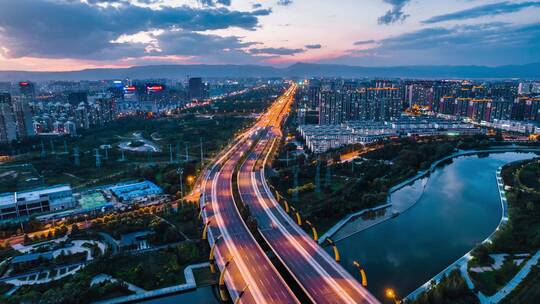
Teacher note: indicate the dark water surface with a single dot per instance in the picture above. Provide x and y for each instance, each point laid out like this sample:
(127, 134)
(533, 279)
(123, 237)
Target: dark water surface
(459, 208)
(203, 295)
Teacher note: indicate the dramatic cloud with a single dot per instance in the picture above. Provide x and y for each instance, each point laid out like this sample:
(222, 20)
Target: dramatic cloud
(483, 44)
(79, 30)
(363, 42)
(284, 2)
(313, 46)
(276, 51)
(395, 14)
(215, 2)
(484, 10)
(196, 44)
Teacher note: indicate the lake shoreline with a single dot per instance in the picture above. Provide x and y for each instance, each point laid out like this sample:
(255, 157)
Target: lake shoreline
(462, 262)
(421, 174)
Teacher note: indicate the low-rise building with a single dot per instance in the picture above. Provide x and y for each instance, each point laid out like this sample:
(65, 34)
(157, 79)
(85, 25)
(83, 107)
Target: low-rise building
(320, 139)
(135, 190)
(25, 203)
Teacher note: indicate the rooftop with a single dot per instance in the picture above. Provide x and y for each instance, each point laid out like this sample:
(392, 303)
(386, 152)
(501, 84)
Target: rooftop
(8, 198)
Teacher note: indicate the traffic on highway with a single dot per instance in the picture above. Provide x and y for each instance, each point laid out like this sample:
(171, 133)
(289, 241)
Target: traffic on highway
(246, 270)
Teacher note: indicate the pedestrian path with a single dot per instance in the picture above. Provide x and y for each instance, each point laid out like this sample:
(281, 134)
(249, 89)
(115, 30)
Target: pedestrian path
(100, 278)
(507, 289)
(190, 284)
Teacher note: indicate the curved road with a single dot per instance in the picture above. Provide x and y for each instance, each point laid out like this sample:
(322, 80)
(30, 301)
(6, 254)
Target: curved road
(322, 279)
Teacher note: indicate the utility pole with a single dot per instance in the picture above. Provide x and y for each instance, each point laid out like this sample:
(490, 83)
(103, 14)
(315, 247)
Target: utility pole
(43, 152)
(76, 158)
(318, 178)
(18, 213)
(149, 155)
(180, 171)
(327, 176)
(98, 159)
(295, 185)
(202, 155)
(52, 146)
(123, 157)
(178, 151)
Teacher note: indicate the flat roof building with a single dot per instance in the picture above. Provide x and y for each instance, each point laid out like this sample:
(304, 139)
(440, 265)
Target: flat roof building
(130, 191)
(25, 203)
(320, 139)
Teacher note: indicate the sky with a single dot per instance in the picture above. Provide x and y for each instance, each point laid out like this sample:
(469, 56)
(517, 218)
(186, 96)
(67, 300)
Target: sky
(59, 35)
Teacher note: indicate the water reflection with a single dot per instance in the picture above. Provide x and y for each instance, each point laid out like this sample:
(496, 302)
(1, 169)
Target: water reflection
(458, 208)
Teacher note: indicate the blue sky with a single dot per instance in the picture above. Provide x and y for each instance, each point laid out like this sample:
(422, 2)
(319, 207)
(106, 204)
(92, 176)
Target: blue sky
(76, 34)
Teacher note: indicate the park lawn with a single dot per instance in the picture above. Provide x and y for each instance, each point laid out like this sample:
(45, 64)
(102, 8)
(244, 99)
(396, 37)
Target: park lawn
(204, 277)
(186, 220)
(5, 287)
(178, 132)
(148, 270)
(527, 291)
(188, 228)
(73, 289)
(489, 282)
(452, 289)
(529, 175)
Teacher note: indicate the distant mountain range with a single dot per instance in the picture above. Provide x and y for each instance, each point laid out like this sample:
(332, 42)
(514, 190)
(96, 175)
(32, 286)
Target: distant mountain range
(528, 71)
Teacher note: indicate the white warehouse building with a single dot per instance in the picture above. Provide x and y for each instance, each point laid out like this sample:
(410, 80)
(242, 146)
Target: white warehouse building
(25, 203)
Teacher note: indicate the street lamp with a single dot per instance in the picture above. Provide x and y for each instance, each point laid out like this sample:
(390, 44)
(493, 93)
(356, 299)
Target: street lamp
(222, 291)
(180, 171)
(241, 294)
(336, 251)
(391, 294)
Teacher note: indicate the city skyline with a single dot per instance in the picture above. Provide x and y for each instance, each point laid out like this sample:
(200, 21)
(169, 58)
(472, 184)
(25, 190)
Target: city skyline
(74, 35)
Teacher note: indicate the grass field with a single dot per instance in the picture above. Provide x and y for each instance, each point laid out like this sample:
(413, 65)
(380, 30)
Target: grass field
(182, 134)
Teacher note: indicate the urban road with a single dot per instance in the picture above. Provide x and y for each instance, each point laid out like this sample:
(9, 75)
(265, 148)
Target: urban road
(250, 276)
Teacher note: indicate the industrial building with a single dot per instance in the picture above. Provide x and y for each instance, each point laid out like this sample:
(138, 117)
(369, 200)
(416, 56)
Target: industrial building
(25, 203)
(134, 190)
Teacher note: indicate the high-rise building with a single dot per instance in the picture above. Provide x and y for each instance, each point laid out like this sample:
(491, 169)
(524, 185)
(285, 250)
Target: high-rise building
(27, 89)
(501, 109)
(8, 126)
(70, 128)
(331, 108)
(419, 94)
(382, 103)
(195, 88)
(106, 109)
(82, 119)
(313, 93)
(154, 99)
(23, 117)
(5, 87)
(75, 98)
(376, 104)
(480, 109)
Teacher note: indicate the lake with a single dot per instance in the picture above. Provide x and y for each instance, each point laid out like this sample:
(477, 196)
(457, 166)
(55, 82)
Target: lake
(458, 207)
